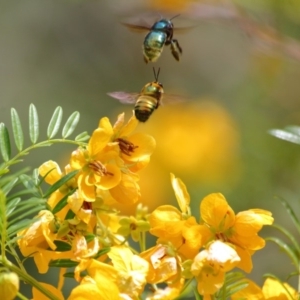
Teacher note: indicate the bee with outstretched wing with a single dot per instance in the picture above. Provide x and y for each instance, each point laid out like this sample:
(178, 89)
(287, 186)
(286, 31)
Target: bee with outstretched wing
(149, 99)
(146, 101)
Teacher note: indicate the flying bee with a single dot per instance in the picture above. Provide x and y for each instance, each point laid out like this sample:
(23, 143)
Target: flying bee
(159, 35)
(146, 101)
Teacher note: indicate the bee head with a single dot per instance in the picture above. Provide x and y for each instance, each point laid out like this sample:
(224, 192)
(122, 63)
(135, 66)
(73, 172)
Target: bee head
(163, 25)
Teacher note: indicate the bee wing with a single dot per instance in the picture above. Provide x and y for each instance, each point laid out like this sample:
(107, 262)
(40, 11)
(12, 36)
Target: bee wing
(173, 99)
(181, 30)
(123, 97)
(137, 27)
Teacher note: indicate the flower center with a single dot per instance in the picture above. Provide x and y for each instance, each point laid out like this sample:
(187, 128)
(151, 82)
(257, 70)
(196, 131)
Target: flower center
(99, 168)
(126, 147)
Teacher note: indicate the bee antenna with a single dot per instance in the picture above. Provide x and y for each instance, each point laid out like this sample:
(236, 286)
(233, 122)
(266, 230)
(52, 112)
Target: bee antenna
(156, 74)
(175, 17)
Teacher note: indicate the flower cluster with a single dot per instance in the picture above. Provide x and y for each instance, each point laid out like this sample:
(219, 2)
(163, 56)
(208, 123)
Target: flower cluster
(82, 227)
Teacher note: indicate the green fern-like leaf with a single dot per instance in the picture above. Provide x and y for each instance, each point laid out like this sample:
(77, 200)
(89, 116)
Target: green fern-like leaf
(4, 142)
(17, 129)
(33, 124)
(285, 248)
(290, 134)
(234, 282)
(54, 123)
(63, 263)
(60, 183)
(62, 203)
(70, 124)
(82, 137)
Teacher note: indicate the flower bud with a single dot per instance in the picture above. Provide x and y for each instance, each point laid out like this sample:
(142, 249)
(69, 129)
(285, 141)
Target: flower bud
(9, 285)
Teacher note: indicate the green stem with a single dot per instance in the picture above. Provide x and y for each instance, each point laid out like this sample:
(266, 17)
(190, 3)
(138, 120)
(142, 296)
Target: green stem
(38, 145)
(186, 285)
(142, 241)
(22, 297)
(17, 258)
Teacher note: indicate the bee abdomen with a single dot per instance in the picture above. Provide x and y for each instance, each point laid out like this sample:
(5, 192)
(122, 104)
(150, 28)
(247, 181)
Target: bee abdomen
(153, 45)
(144, 107)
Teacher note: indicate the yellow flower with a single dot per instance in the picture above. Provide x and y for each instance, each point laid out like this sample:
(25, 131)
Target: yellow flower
(209, 266)
(99, 162)
(40, 234)
(240, 230)
(132, 270)
(182, 230)
(100, 283)
(271, 290)
(9, 285)
(186, 236)
(162, 266)
(127, 191)
(136, 148)
(98, 170)
(111, 157)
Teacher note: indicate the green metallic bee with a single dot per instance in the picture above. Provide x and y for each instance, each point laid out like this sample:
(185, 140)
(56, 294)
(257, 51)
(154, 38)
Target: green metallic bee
(160, 34)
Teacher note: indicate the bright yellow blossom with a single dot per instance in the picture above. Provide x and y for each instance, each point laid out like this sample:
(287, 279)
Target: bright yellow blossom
(187, 236)
(178, 228)
(100, 283)
(136, 148)
(41, 233)
(111, 157)
(240, 230)
(163, 267)
(210, 265)
(271, 290)
(132, 270)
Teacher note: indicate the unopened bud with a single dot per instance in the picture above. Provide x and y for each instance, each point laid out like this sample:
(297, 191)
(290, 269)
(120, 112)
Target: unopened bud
(9, 285)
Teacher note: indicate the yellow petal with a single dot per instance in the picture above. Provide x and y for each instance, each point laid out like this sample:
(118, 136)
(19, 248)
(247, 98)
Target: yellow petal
(245, 255)
(224, 255)
(216, 212)
(251, 292)
(127, 191)
(181, 193)
(104, 123)
(111, 179)
(145, 147)
(119, 123)
(86, 191)
(37, 295)
(129, 127)
(99, 140)
(273, 289)
(52, 169)
(78, 159)
(210, 283)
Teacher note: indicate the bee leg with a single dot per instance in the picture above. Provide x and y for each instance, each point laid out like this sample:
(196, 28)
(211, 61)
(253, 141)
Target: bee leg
(175, 49)
(145, 59)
